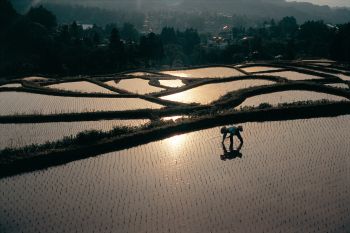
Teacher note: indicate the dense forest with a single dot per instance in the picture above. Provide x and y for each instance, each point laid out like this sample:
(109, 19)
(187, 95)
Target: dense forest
(34, 42)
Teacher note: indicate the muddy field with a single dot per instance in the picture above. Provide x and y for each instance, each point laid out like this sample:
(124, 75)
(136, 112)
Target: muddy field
(291, 176)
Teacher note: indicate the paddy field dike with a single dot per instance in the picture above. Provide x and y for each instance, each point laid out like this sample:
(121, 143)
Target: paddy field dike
(141, 151)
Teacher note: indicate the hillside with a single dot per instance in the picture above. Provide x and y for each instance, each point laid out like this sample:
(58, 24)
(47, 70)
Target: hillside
(252, 8)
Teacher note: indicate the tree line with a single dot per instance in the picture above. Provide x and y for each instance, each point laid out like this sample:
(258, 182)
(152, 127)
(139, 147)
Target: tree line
(34, 43)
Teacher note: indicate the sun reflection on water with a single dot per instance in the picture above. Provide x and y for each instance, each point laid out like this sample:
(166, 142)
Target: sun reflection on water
(176, 142)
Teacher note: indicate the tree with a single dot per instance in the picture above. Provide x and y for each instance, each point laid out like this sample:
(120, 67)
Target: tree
(340, 48)
(288, 26)
(116, 49)
(168, 36)
(42, 16)
(7, 14)
(129, 32)
(114, 40)
(151, 48)
(191, 39)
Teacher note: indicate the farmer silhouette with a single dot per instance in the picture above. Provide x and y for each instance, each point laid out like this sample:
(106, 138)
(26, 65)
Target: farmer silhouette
(233, 131)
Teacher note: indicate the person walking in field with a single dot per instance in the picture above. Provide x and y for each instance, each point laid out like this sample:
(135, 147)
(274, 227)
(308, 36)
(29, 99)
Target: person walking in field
(233, 131)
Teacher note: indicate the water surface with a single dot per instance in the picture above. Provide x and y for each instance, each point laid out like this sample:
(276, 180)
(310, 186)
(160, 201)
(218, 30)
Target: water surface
(172, 83)
(208, 93)
(12, 103)
(253, 69)
(288, 97)
(12, 85)
(291, 176)
(212, 72)
(292, 75)
(82, 86)
(19, 135)
(135, 85)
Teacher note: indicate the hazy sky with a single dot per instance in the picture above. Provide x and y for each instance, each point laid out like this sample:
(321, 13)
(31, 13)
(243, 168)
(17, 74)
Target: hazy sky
(327, 2)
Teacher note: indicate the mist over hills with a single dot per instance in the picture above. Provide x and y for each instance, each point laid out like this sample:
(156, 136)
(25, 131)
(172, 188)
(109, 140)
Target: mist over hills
(251, 8)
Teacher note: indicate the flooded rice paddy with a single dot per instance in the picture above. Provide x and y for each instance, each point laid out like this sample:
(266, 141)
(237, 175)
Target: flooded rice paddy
(135, 85)
(344, 77)
(288, 97)
(137, 74)
(208, 93)
(35, 78)
(12, 103)
(173, 118)
(339, 85)
(291, 176)
(82, 86)
(292, 75)
(212, 72)
(19, 135)
(12, 85)
(171, 83)
(254, 69)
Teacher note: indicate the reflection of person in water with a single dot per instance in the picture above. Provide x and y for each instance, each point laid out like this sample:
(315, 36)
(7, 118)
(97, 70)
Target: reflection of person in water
(231, 154)
(233, 131)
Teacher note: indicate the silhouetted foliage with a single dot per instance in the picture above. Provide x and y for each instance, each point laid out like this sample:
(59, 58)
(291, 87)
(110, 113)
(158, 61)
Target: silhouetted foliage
(7, 13)
(42, 16)
(33, 43)
(129, 33)
(151, 48)
(340, 48)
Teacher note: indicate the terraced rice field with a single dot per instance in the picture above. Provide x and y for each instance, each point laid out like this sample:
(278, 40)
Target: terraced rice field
(35, 78)
(82, 86)
(293, 176)
(254, 69)
(139, 74)
(135, 85)
(171, 83)
(12, 103)
(208, 93)
(344, 77)
(19, 135)
(288, 97)
(212, 72)
(321, 64)
(322, 61)
(339, 85)
(173, 118)
(292, 75)
(12, 85)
